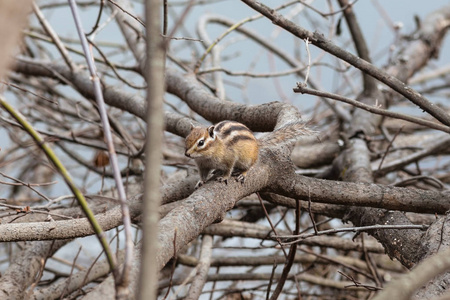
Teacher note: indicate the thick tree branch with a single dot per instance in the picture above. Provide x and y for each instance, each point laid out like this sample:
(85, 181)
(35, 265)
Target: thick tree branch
(67, 229)
(363, 194)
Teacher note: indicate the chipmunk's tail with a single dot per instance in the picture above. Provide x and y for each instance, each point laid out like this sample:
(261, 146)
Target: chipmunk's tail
(289, 133)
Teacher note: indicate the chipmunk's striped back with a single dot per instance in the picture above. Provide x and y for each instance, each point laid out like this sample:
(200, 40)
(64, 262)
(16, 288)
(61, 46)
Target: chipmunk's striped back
(232, 133)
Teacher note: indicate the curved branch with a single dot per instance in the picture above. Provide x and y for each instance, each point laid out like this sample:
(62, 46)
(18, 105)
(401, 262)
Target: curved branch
(264, 117)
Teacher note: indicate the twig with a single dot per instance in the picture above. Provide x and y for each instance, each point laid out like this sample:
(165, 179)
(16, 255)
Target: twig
(214, 284)
(317, 224)
(131, 15)
(359, 284)
(233, 27)
(370, 264)
(300, 237)
(291, 256)
(340, 112)
(320, 41)
(325, 15)
(41, 270)
(30, 186)
(271, 224)
(27, 209)
(202, 271)
(309, 211)
(336, 261)
(391, 142)
(165, 18)
(420, 177)
(71, 272)
(99, 15)
(121, 281)
(59, 45)
(252, 75)
(113, 68)
(372, 109)
(308, 67)
(359, 41)
(185, 281)
(437, 145)
(29, 92)
(180, 21)
(272, 275)
(67, 178)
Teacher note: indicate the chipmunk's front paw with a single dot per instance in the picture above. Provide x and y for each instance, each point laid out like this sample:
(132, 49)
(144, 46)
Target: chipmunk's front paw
(240, 178)
(199, 184)
(222, 179)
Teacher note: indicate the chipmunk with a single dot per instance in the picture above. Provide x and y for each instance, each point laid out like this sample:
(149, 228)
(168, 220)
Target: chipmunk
(230, 148)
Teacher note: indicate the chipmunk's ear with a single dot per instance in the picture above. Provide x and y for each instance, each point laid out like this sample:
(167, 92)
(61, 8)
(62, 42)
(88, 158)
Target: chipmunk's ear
(192, 126)
(211, 131)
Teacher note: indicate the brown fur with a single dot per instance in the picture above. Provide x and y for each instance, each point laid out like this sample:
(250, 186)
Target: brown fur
(231, 148)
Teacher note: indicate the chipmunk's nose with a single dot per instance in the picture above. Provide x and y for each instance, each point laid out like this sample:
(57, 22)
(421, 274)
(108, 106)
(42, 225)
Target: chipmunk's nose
(187, 154)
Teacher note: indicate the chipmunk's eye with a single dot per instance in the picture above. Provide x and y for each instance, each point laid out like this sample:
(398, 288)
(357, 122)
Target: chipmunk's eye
(201, 143)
